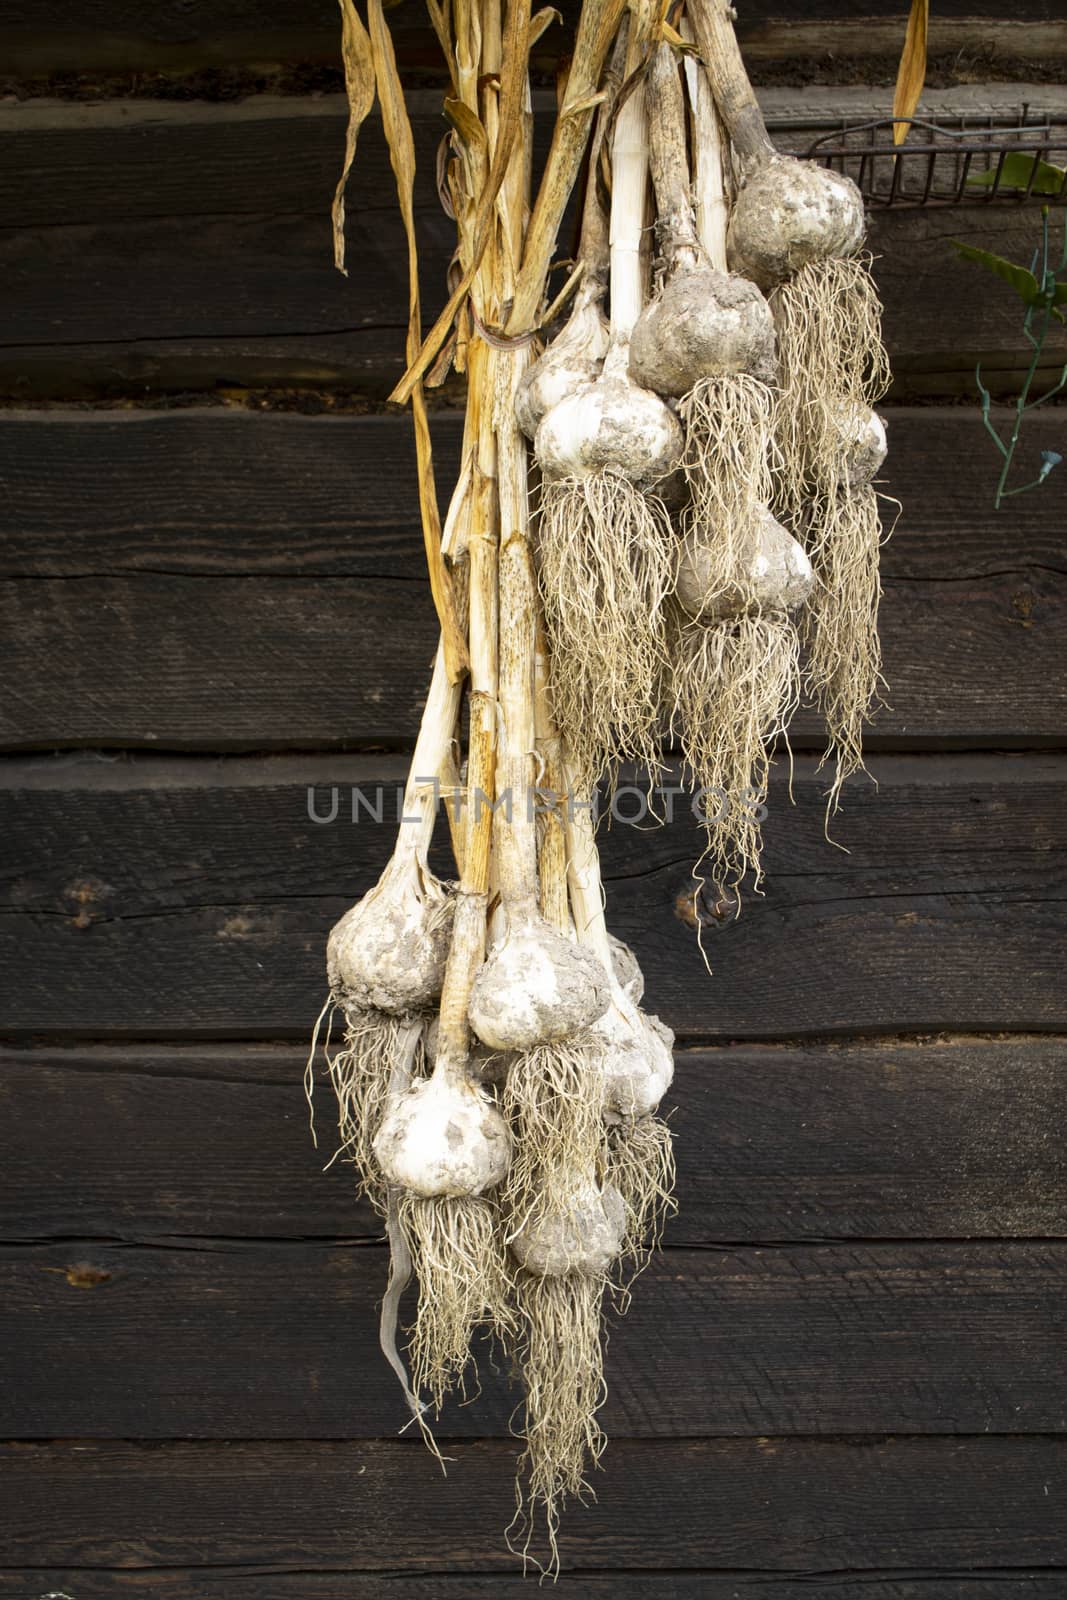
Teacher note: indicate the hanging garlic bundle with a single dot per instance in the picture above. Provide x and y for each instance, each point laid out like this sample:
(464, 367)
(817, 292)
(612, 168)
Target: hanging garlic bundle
(542, 990)
(707, 339)
(443, 1144)
(796, 230)
(732, 681)
(385, 958)
(499, 1085)
(538, 990)
(576, 355)
(605, 540)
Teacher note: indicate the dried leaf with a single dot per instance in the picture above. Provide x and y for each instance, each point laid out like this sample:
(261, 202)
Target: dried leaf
(911, 74)
(439, 21)
(473, 145)
(468, 173)
(513, 77)
(359, 87)
(541, 21)
(466, 124)
(578, 108)
(671, 36)
(402, 157)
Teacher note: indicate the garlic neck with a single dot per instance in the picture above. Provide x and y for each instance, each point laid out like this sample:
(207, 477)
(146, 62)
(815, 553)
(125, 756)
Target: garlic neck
(710, 159)
(669, 166)
(514, 828)
(629, 167)
(583, 875)
(432, 747)
(738, 106)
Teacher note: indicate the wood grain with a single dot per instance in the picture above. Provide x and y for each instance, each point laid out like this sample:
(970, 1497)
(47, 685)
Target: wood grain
(132, 34)
(189, 899)
(150, 247)
(797, 1506)
(230, 1340)
(227, 1584)
(942, 1139)
(225, 580)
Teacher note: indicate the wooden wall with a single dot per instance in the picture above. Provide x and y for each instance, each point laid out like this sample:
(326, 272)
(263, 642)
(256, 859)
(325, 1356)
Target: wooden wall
(844, 1377)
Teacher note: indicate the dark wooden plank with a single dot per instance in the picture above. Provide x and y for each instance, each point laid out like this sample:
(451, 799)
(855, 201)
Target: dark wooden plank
(193, 1584)
(151, 248)
(209, 491)
(163, 540)
(193, 898)
(230, 1340)
(121, 35)
(256, 663)
(199, 663)
(946, 1138)
(128, 161)
(134, 160)
(862, 29)
(164, 307)
(805, 1506)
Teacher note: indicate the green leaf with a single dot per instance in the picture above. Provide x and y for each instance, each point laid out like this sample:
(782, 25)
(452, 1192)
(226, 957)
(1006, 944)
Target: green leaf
(1059, 296)
(1021, 279)
(1015, 174)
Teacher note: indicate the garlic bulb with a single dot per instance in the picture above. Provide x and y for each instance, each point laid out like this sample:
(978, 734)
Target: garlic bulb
(612, 425)
(777, 575)
(788, 213)
(637, 1062)
(389, 950)
(703, 324)
(443, 1137)
(536, 986)
(574, 358)
(587, 1237)
(864, 444)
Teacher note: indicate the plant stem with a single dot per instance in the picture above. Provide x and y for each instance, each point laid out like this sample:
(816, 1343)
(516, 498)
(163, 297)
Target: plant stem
(676, 224)
(514, 830)
(710, 198)
(629, 167)
(597, 27)
(552, 859)
(468, 935)
(733, 92)
(1004, 493)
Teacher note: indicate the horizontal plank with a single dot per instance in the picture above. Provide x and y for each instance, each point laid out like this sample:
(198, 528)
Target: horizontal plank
(194, 663)
(184, 899)
(899, 1139)
(154, 248)
(227, 1340)
(805, 1506)
(131, 34)
(227, 1584)
(260, 663)
(864, 29)
(216, 492)
(70, 163)
(162, 543)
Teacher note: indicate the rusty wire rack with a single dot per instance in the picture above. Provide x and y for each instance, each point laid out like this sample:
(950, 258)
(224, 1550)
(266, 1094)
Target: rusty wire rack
(940, 163)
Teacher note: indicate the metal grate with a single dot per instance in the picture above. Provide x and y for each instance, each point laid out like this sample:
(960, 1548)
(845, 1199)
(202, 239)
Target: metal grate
(939, 161)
